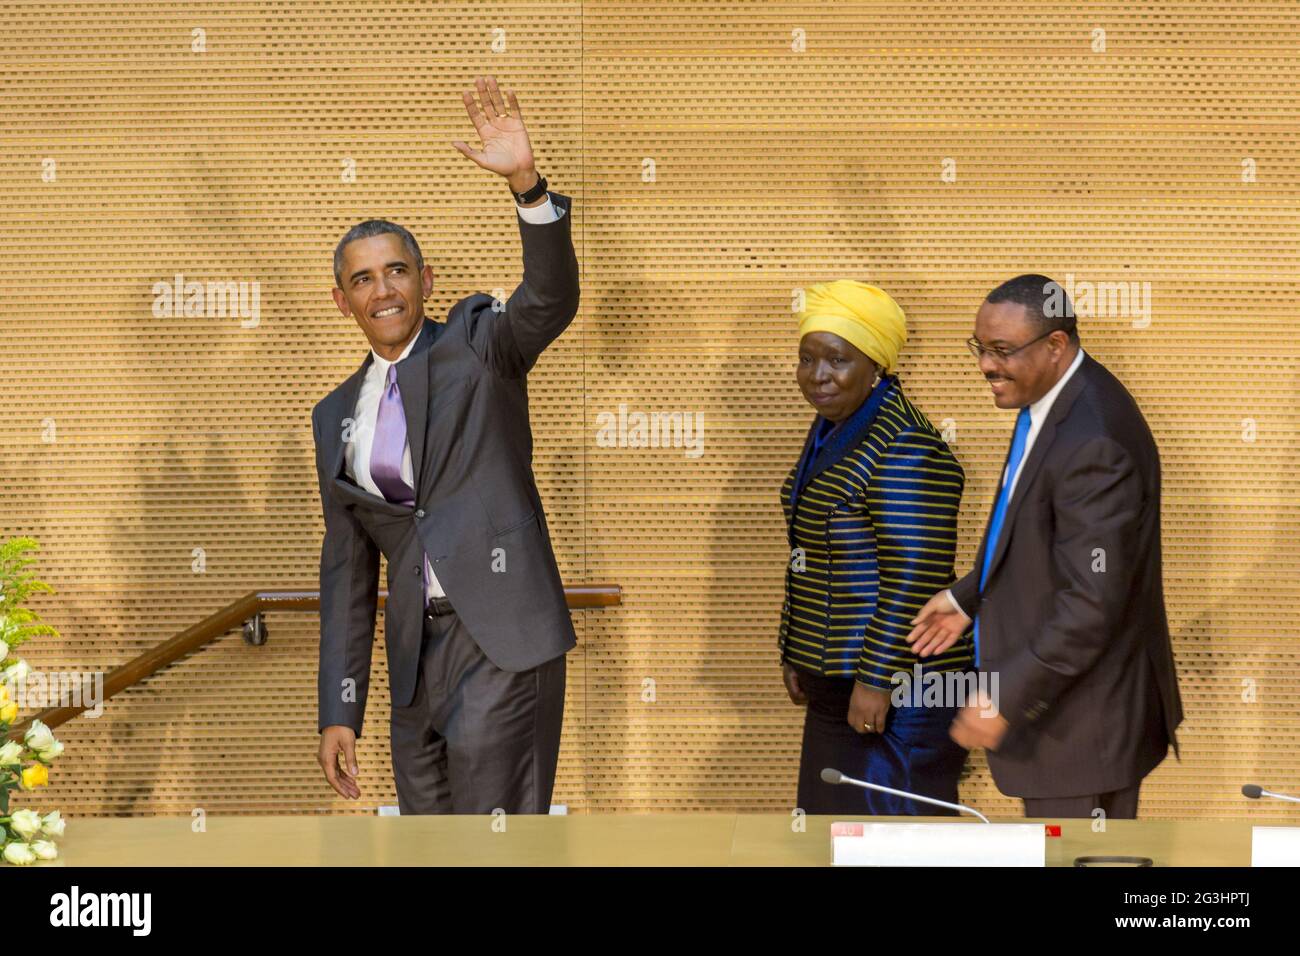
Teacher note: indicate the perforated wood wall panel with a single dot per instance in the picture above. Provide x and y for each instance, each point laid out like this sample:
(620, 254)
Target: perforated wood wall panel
(721, 155)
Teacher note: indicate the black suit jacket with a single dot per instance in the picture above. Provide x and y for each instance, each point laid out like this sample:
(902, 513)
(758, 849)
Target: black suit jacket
(477, 513)
(1072, 618)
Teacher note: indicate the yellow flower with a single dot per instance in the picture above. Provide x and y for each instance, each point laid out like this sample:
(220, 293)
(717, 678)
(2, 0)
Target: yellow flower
(8, 712)
(35, 776)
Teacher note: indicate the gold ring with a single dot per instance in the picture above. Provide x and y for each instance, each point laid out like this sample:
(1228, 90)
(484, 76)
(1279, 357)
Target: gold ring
(866, 726)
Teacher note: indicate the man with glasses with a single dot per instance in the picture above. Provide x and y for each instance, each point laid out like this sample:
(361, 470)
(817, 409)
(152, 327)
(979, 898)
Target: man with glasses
(1066, 593)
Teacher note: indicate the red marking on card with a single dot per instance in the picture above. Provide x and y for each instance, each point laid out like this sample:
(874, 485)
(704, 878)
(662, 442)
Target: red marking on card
(846, 829)
(1053, 829)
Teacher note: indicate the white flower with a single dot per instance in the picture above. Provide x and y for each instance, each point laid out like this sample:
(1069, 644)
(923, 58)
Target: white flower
(26, 823)
(15, 672)
(45, 850)
(49, 753)
(38, 736)
(53, 824)
(11, 754)
(19, 854)
(4, 650)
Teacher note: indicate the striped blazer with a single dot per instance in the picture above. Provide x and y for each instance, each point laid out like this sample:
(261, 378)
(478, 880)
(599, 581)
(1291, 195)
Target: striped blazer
(872, 528)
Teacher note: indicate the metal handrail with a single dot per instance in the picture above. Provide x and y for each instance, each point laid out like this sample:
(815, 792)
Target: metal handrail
(248, 613)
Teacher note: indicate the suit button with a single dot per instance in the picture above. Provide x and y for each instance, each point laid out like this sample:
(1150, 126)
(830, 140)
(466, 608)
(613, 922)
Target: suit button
(418, 570)
(419, 512)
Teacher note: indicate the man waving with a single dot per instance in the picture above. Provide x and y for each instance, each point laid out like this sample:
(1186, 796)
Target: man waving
(424, 455)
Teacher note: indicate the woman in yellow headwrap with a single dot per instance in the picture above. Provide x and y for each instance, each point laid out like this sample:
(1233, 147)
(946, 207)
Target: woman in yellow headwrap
(871, 514)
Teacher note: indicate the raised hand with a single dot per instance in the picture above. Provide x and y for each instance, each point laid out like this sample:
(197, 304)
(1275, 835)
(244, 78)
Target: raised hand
(506, 149)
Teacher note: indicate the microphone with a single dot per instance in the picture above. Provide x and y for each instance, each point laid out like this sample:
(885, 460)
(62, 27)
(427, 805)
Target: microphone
(834, 776)
(1255, 791)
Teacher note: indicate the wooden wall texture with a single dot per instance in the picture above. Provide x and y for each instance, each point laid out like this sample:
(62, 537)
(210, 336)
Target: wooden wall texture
(721, 156)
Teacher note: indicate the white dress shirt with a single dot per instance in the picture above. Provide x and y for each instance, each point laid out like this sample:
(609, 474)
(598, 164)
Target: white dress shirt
(1038, 412)
(356, 453)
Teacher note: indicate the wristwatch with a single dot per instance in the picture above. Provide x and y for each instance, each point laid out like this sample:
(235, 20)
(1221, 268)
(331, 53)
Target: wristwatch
(534, 194)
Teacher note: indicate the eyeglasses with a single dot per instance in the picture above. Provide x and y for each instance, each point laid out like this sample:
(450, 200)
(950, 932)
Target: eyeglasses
(979, 350)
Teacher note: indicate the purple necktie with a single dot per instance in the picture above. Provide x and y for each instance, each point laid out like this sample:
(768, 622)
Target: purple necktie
(388, 449)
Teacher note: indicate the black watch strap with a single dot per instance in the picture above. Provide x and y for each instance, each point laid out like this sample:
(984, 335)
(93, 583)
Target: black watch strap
(534, 194)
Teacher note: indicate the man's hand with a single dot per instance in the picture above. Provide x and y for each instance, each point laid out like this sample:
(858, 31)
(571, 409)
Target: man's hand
(868, 709)
(791, 678)
(335, 741)
(937, 627)
(979, 725)
(506, 149)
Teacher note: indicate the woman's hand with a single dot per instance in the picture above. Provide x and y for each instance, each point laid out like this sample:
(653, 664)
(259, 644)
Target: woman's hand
(868, 709)
(791, 678)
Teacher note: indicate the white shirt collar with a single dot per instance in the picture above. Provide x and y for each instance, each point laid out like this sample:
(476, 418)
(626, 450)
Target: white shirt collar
(383, 363)
(1038, 410)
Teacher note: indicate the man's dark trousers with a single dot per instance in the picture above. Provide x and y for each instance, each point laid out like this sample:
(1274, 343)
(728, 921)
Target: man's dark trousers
(475, 738)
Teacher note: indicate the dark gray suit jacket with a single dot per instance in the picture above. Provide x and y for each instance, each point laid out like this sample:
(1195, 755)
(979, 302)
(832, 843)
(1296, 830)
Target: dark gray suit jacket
(477, 512)
(1085, 664)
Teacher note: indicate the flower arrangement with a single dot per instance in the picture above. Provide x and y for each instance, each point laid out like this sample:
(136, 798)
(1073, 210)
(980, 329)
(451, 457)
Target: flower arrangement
(25, 835)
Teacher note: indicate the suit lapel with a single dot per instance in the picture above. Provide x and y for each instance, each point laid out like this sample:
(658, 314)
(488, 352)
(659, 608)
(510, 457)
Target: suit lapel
(348, 392)
(792, 484)
(847, 437)
(1030, 466)
(413, 381)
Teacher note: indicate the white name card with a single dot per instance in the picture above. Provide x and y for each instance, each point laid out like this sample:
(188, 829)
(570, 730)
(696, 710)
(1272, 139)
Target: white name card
(938, 844)
(1275, 846)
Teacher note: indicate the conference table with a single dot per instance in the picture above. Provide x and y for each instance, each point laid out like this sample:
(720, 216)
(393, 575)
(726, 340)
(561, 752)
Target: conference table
(587, 839)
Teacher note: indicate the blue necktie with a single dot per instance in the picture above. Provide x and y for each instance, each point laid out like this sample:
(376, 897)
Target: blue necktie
(1014, 458)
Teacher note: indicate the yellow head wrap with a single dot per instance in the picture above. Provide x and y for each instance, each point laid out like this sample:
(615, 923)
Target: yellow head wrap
(860, 314)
